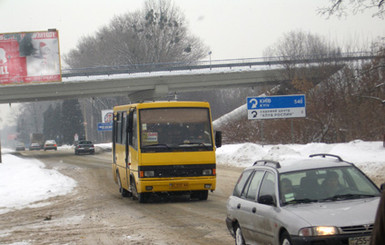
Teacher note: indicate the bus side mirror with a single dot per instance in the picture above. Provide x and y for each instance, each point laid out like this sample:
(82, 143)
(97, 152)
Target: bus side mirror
(218, 139)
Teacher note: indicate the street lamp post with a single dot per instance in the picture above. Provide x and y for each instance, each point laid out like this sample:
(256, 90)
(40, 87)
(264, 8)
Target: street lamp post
(210, 58)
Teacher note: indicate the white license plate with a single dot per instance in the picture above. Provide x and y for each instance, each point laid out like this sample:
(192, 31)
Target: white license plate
(361, 240)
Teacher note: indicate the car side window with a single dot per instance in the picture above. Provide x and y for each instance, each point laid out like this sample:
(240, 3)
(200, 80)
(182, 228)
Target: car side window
(253, 185)
(267, 188)
(241, 183)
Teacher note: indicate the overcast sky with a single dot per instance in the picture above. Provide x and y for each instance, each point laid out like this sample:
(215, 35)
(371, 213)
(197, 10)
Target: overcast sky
(231, 28)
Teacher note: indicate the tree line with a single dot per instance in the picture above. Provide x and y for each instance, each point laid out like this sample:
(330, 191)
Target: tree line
(346, 104)
(343, 100)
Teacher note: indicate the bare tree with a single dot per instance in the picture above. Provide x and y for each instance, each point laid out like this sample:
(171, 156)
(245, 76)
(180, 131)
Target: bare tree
(342, 7)
(156, 34)
(298, 46)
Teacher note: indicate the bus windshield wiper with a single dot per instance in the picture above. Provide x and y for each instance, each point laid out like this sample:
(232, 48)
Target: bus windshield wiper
(194, 143)
(156, 145)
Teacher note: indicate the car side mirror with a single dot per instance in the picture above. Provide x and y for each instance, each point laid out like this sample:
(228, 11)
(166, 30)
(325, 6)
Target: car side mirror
(218, 139)
(267, 200)
(382, 187)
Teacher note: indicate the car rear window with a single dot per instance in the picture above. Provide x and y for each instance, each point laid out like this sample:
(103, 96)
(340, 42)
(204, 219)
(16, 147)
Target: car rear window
(85, 142)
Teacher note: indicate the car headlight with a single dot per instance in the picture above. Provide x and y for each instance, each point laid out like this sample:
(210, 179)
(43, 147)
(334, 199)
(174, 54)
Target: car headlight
(318, 231)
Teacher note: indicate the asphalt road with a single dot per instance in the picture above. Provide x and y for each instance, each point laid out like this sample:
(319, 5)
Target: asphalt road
(95, 213)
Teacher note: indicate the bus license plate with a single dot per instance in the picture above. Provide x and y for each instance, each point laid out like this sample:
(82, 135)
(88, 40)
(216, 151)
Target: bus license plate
(362, 240)
(179, 185)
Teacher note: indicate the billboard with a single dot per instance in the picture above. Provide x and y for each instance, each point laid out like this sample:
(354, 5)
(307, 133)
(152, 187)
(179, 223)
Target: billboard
(29, 57)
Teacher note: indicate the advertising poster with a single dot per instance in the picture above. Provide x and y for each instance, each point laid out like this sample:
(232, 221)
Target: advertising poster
(107, 116)
(29, 57)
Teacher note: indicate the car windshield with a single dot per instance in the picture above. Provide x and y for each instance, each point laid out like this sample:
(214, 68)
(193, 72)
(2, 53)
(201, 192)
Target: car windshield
(170, 129)
(323, 185)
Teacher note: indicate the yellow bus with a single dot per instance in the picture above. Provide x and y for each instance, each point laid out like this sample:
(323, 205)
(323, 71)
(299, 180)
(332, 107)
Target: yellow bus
(164, 147)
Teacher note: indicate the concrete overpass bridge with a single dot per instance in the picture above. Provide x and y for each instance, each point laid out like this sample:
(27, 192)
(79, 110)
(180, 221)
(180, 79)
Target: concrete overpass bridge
(141, 82)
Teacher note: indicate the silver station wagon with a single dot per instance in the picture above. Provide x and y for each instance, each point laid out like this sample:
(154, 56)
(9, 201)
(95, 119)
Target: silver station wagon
(320, 200)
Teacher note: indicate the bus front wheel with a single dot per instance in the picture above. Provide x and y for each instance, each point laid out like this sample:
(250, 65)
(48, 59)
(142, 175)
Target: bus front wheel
(201, 195)
(142, 197)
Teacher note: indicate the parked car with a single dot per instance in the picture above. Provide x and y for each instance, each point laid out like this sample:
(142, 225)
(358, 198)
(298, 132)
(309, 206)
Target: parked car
(35, 147)
(20, 147)
(50, 145)
(84, 146)
(320, 200)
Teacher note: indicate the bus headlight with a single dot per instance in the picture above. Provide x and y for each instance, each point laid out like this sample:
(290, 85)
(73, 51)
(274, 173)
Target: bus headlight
(207, 172)
(149, 174)
(318, 231)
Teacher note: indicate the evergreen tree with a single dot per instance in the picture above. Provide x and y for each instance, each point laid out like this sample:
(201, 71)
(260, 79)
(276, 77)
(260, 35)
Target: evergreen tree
(49, 122)
(71, 121)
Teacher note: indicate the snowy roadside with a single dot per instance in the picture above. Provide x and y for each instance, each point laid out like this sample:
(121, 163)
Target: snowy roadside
(25, 182)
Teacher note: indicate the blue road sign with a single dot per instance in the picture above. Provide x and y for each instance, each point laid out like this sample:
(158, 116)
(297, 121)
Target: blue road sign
(104, 126)
(287, 106)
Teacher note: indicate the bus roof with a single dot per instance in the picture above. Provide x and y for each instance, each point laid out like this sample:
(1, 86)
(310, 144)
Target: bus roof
(162, 104)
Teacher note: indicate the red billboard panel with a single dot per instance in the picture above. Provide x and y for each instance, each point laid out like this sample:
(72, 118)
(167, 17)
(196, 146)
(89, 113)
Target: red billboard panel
(29, 57)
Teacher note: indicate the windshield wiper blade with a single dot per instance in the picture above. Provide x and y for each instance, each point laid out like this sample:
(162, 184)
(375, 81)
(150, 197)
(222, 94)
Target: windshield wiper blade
(304, 200)
(194, 143)
(156, 145)
(347, 197)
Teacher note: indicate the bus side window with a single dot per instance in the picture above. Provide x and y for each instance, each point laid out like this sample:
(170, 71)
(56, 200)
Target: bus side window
(119, 128)
(124, 128)
(134, 130)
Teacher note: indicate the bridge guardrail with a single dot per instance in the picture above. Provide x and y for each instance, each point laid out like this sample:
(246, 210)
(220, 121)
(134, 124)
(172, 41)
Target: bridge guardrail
(229, 63)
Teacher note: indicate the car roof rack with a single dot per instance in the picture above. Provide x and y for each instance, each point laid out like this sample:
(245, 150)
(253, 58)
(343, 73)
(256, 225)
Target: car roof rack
(327, 155)
(267, 163)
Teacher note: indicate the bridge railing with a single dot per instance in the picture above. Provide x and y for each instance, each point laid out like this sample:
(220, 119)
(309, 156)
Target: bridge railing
(214, 64)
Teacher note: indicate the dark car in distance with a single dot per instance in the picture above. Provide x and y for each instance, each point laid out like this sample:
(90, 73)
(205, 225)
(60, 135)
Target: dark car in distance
(34, 147)
(84, 146)
(20, 147)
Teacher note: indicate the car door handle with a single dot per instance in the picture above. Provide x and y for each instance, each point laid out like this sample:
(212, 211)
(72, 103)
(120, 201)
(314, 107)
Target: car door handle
(238, 206)
(254, 210)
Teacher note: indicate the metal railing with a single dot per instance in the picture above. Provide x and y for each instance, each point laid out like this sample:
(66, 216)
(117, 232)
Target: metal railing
(214, 64)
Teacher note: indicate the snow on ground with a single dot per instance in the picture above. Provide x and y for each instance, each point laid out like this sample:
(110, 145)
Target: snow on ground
(23, 182)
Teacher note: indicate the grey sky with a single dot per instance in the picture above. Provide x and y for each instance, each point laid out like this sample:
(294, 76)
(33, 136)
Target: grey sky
(231, 28)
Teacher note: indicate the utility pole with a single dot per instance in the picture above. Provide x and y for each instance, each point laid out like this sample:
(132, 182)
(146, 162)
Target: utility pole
(1, 160)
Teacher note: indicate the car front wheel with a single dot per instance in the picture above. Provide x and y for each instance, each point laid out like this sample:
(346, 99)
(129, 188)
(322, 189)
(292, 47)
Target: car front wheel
(239, 237)
(285, 239)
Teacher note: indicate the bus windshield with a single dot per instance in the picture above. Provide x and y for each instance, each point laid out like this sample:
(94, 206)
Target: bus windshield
(175, 129)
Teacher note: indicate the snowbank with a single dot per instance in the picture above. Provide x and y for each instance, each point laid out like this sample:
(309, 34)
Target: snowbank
(24, 182)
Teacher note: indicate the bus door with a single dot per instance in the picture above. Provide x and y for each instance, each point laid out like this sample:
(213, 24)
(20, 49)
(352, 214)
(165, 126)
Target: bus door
(125, 137)
(128, 132)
